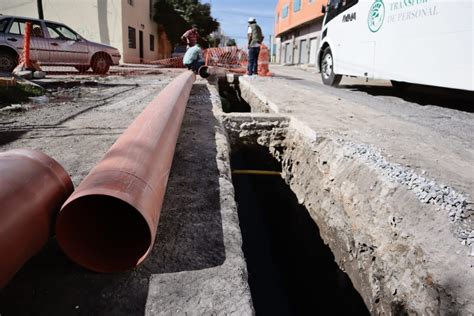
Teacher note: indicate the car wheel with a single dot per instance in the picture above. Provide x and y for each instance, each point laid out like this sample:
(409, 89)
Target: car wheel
(8, 61)
(101, 64)
(327, 69)
(82, 69)
(400, 85)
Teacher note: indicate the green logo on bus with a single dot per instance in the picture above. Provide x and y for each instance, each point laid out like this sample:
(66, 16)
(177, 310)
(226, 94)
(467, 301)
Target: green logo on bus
(376, 15)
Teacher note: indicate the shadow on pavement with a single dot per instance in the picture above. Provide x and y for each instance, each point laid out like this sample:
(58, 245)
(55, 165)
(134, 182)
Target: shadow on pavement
(8, 136)
(423, 95)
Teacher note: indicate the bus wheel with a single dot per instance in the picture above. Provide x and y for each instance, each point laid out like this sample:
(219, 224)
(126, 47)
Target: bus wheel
(327, 69)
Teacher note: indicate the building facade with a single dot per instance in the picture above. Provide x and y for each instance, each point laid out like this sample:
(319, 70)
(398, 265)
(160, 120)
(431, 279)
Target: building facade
(125, 24)
(298, 26)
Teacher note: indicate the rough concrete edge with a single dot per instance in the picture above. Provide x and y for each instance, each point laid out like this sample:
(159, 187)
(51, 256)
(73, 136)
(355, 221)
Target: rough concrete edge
(247, 85)
(433, 297)
(399, 267)
(428, 191)
(223, 290)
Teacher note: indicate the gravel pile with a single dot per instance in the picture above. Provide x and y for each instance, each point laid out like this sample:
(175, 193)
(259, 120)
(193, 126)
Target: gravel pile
(460, 211)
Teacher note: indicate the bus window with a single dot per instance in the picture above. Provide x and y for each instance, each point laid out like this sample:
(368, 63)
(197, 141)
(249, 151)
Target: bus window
(346, 4)
(336, 7)
(332, 9)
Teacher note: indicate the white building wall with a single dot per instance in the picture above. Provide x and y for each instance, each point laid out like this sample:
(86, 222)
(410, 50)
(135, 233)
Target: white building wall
(137, 15)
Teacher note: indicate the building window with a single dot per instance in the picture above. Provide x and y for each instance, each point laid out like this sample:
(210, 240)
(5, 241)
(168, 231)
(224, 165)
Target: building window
(284, 12)
(151, 8)
(296, 5)
(130, 2)
(132, 37)
(310, 1)
(152, 42)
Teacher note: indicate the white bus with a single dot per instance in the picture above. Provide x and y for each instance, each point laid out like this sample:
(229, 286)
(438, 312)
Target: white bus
(428, 42)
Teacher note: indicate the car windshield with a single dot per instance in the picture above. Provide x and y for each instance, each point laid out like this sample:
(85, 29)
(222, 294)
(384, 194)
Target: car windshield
(3, 24)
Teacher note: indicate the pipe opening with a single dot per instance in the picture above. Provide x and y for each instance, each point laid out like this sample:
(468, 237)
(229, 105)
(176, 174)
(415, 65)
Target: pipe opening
(103, 233)
(204, 72)
(291, 270)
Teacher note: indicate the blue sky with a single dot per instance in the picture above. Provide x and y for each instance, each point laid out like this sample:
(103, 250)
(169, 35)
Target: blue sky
(233, 16)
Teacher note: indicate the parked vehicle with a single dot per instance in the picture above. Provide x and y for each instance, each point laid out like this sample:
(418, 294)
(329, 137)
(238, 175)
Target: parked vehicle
(52, 44)
(427, 42)
(179, 51)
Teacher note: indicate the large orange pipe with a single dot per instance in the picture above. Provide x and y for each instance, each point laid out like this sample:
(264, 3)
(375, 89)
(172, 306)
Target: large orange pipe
(109, 223)
(32, 189)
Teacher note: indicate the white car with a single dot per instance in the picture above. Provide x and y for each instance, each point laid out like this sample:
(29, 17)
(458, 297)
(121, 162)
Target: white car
(52, 44)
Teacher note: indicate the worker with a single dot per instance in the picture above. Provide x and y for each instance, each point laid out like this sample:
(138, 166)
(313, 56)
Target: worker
(191, 36)
(255, 39)
(193, 58)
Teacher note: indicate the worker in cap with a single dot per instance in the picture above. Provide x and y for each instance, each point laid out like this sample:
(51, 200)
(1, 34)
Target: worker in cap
(255, 39)
(191, 36)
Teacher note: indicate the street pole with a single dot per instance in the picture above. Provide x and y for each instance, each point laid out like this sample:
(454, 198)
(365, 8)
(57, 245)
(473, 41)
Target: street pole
(40, 9)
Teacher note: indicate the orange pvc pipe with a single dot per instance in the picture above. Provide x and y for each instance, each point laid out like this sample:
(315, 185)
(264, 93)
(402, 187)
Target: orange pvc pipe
(109, 223)
(33, 187)
(207, 71)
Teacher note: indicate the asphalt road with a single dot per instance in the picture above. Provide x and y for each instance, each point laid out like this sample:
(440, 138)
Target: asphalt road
(448, 111)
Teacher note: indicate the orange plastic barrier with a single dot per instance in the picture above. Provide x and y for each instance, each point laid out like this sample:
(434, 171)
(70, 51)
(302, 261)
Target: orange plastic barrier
(232, 59)
(175, 62)
(263, 61)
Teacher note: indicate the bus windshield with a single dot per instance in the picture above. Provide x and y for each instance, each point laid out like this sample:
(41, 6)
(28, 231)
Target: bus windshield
(335, 7)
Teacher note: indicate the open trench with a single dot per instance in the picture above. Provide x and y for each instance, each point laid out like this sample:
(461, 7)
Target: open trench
(331, 231)
(291, 270)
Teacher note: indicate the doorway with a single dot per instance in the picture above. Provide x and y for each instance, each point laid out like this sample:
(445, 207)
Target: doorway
(313, 50)
(140, 45)
(304, 52)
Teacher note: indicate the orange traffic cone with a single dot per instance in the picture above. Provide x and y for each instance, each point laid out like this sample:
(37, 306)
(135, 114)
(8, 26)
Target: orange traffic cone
(263, 58)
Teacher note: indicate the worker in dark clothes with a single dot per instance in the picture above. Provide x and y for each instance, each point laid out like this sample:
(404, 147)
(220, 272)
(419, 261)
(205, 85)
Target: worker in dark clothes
(255, 39)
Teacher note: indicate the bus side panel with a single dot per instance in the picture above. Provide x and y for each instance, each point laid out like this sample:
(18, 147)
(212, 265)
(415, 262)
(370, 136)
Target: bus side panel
(430, 43)
(355, 47)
